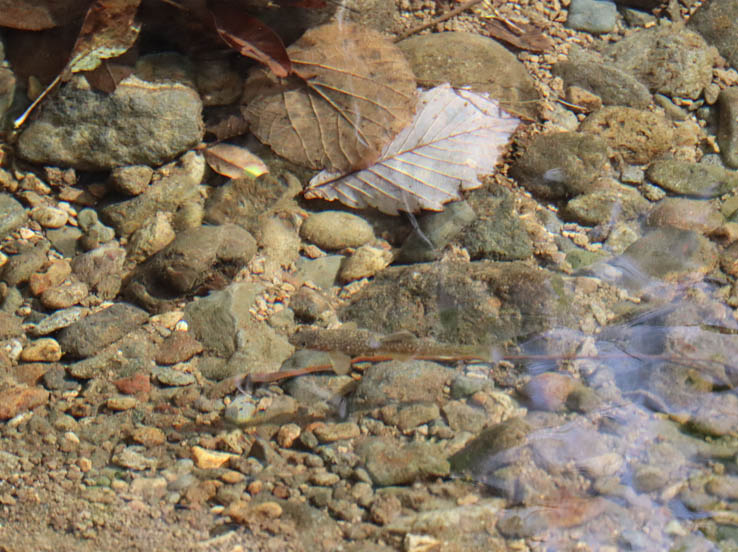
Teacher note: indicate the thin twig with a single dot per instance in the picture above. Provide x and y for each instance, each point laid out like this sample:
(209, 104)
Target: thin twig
(440, 19)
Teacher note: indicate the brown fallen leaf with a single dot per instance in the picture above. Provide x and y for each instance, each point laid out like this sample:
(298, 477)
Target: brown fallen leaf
(354, 91)
(108, 31)
(523, 36)
(250, 37)
(234, 161)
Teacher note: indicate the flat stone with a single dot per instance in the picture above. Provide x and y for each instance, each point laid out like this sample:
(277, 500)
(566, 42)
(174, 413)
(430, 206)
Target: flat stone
(637, 135)
(693, 179)
(466, 59)
(717, 22)
(436, 230)
(687, 214)
(101, 269)
(561, 164)
(669, 60)
(86, 337)
(12, 214)
(198, 259)
(173, 378)
(673, 255)
(365, 262)
(140, 123)
(611, 84)
(177, 184)
(611, 202)
(333, 230)
(728, 126)
(15, 400)
(391, 462)
(178, 347)
(45, 349)
(592, 16)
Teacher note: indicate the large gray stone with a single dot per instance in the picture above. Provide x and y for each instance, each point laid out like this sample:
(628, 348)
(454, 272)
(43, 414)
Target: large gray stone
(12, 214)
(717, 21)
(141, 123)
(466, 59)
(669, 60)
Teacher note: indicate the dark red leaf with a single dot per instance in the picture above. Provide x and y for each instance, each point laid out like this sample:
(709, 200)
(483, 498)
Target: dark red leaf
(250, 37)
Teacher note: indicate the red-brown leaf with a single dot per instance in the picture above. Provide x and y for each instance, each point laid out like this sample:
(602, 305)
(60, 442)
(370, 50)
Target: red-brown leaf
(250, 37)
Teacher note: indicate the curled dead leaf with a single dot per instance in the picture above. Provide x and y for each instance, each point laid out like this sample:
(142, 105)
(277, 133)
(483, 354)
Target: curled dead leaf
(234, 161)
(354, 91)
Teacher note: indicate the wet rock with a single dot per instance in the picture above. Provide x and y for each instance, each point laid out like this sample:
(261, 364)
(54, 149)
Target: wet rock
(175, 185)
(330, 433)
(57, 320)
(65, 295)
(45, 349)
(466, 59)
(695, 179)
(197, 260)
(7, 90)
(561, 164)
(95, 232)
(728, 127)
(398, 382)
(457, 303)
(478, 456)
(19, 268)
(12, 215)
(10, 326)
(365, 262)
(133, 458)
(333, 230)
(687, 214)
(151, 238)
(717, 22)
(14, 400)
(592, 16)
(611, 202)
(178, 347)
(49, 217)
(613, 85)
(390, 462)
(55, 273)
(240, 411)
(225, 327)
(172, 377)
(549, 391)
(243, 201)
(131, 180)
(86, 337)
(724, 486)
(321, 272)
(673, 255)
(649, 478)
(101, 269)
(498, 233)
(463, 417)
(637, 135)
(140, 123)
(436, 232)
(669, 60)
(408, 417)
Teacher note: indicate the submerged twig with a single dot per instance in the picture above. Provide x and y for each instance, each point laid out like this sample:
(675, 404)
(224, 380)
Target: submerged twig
(440, 19)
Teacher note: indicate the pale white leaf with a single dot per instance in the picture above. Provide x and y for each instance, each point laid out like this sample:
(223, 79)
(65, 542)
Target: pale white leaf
(456, 136)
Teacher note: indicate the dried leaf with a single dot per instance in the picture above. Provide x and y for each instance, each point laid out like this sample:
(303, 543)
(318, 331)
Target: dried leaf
(523, 36)
(108, 31)
(455, 136)
(355, 92)
(250, 37)
(234, 161)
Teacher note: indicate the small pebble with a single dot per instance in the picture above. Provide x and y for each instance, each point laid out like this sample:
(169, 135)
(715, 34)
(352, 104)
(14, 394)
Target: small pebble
(45, 349)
